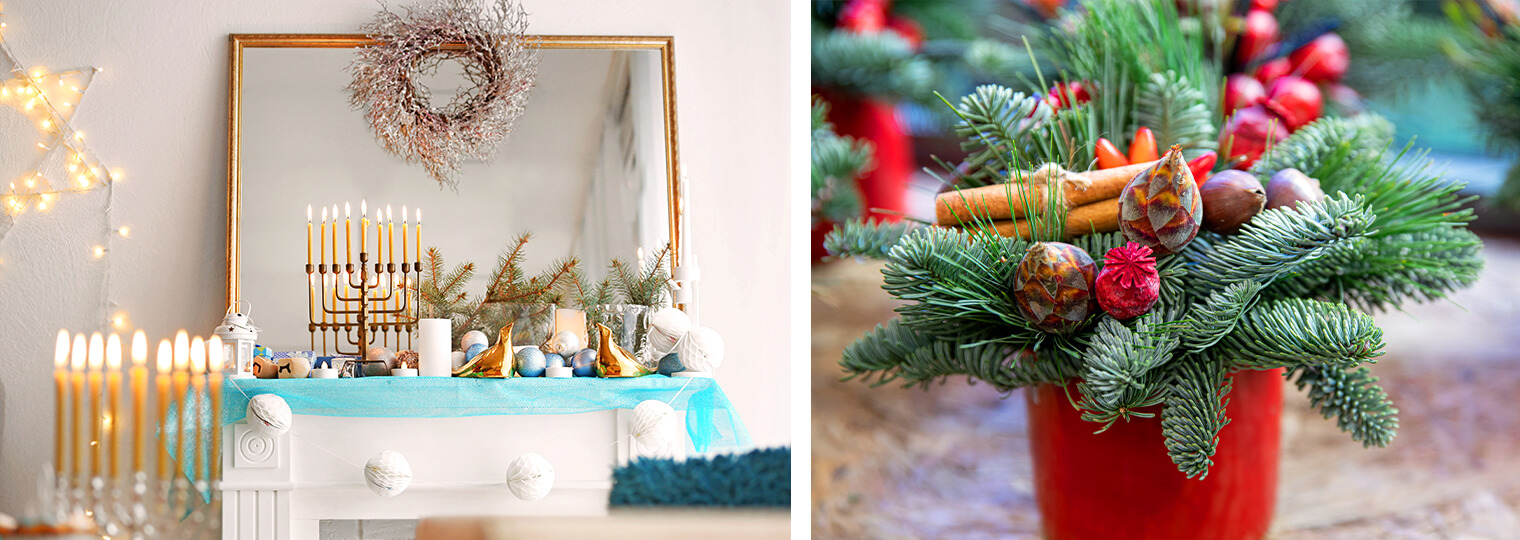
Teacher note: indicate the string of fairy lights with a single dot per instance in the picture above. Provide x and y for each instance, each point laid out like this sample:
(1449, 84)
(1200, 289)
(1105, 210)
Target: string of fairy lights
(63, 164)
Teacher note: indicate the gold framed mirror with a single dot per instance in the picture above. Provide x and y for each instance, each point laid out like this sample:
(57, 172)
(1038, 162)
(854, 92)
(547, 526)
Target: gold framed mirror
(293, 141)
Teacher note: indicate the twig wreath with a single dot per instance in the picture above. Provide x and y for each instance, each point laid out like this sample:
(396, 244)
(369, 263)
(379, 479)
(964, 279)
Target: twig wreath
(499, 60)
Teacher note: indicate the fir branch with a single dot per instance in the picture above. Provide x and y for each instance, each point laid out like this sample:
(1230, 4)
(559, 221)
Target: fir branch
(1353, 397)
(994, 124)
(956, 286)
(1194, 413)
(1277, 243)
(1218, 315)
(836, 164)
(1175, 110)
(871, 239)
(1298, 332)
(1121, 372)
(643, 286)
(442, 292)
(881, 63)
(895, 351)
(1355, 139)
(1388, 271)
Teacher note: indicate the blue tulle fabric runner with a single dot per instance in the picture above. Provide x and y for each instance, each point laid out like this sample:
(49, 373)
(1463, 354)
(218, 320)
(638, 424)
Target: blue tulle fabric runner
(711, 421)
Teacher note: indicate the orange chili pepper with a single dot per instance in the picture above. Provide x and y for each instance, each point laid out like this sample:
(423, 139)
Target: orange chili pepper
(1143, 148)
(1108, 154)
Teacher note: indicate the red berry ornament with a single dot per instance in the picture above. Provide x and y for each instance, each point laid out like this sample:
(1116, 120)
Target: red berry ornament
(1260, 31)
(1298, 100)
(1064, 95)
(1323, 60)
(1128, 286)
(1271, 71)
(863, 16)
(1242, 91)
(1247, 132)
(909, 29)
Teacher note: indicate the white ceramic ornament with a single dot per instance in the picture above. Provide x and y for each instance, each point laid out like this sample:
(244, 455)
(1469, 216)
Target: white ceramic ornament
(701, 350)
(295, 367)
(472, 337)
(269, 415)
(530, 477)
(566, 343)
(388, 473)
(655, 425)
(665, 330)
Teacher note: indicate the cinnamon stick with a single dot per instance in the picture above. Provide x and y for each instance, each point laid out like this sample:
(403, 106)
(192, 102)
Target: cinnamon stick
(1101, 216)
(1004, 201)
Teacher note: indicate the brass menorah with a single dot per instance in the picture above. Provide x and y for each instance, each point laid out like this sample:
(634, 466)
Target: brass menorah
(353, 305)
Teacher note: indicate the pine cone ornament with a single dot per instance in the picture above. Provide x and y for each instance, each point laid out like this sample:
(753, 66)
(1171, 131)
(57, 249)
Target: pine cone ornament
(1128, 285)
(1160, 207)
(1053, 286)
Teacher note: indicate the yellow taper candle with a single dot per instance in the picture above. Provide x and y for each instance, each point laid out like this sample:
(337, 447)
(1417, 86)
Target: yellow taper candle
(76, 375)
(198, 383)
(113, 406)
(363, 226)
(61, 379)
(181, 383)
(308, 235)
(214, 369)
(404, 258)
(97, 362)
(390, 235)
(165, 367)
(139, 384)
(348, 233)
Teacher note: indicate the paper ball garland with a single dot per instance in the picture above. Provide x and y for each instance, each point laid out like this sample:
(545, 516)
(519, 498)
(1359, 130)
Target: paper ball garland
(268, 414)
(655, 425)
(701, 349)
(665, 330)
(387, 474)
(530, 477)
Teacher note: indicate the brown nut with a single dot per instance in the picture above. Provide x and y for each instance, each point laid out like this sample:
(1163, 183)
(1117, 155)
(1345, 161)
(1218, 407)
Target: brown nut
(1290, 186)
(1230, 199)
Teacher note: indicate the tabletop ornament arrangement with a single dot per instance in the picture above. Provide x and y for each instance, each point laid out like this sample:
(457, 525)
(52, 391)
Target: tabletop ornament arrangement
(1156, 285)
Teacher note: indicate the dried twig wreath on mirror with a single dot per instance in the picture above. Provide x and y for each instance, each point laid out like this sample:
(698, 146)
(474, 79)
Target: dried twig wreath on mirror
(488, 40)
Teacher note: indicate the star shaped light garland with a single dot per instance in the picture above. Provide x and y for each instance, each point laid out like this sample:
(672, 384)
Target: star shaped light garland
(63, 164)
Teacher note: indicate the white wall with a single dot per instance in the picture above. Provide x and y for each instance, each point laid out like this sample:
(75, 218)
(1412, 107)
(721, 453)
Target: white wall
(159, 113)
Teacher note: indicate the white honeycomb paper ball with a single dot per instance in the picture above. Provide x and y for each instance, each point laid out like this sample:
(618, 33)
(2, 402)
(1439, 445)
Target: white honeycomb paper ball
(530, 477)
(269, 415)
(655, 425)
(388, 474)
(702, 350)
(665, 330)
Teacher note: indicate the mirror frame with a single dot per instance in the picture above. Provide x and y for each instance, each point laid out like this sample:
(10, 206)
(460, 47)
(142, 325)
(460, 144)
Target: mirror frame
(238, 42)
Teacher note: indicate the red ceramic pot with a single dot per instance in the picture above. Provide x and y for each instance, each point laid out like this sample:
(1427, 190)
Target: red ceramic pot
(1121, 485)
(886, 186)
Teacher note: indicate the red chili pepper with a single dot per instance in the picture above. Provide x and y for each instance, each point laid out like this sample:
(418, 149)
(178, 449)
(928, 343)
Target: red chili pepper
(1201, 166)
(1108, 154)
(1143, 148)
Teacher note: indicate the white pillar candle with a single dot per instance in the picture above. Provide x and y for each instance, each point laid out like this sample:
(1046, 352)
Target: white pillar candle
(434, 359)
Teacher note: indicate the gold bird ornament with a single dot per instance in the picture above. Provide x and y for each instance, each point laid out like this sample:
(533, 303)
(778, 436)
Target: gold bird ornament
(492, 363)
(613, 361)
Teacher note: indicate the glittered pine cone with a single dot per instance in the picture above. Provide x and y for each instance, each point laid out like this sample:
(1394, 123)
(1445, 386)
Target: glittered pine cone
(1160, 208)
(1129, 285)
(1053, 286)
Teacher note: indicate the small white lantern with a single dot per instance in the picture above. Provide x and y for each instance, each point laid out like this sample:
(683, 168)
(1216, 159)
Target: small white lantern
(238, 338)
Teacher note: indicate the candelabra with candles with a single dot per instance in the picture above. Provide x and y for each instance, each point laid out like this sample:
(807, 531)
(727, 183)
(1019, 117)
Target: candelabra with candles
(98, 429)
(352, 305)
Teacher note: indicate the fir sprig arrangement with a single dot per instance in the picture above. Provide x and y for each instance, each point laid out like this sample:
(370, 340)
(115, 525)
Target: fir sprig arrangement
(1290, 290)
(837, 162)
(646, 285)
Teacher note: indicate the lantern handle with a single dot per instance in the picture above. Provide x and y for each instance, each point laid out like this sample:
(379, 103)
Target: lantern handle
(235, 305)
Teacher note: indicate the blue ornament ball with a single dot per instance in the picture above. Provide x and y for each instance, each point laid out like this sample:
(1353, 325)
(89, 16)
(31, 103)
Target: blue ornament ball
(671, 363)
(469, 354)
(555, 360)
(584, 363)
(530, 361)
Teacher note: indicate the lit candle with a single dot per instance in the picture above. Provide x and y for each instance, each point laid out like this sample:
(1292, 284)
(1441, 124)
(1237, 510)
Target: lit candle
(181, 383)
(348, 234)
(308, 235)
(61, 378)
(76, 375)
(113, 403)
(198, 383)
(214, 367)
(165, 364)
(419, 235)
(97, 362)
(139, 398)
(363, 225)
(390, 235)
(404, 258)
(335, 238)
(322, 238)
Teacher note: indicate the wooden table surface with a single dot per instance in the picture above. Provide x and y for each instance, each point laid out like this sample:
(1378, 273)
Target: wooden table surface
(953, 461)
